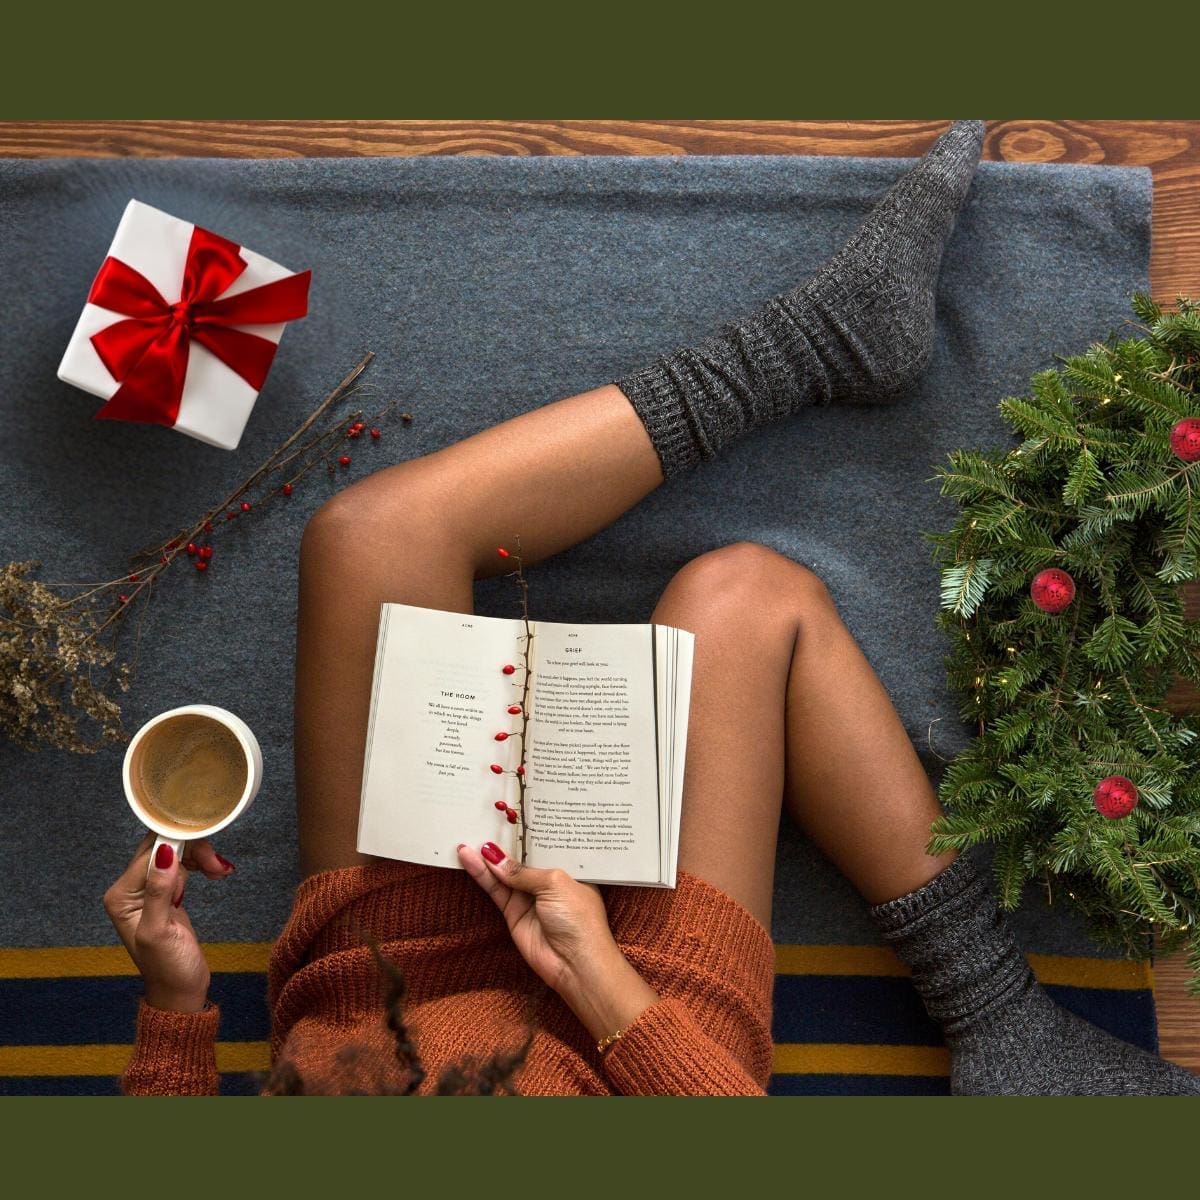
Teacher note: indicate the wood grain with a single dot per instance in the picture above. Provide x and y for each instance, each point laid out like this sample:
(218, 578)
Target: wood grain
(1171, 149)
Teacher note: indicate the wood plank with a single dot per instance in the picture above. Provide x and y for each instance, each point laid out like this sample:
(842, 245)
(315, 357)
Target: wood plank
(1171, 149)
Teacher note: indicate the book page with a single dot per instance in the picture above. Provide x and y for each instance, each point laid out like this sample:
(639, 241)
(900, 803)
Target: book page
(438, 699)
(592, 763)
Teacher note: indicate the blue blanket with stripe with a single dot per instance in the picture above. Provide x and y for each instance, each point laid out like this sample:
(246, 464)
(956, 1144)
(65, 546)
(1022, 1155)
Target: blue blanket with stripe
(487, 287)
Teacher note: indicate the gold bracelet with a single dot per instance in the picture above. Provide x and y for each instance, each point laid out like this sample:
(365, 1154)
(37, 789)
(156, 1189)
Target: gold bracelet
(604, 1043)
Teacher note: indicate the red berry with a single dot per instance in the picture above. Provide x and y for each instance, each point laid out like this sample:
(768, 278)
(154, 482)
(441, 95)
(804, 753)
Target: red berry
(123, 599)
(508, 668)
(173, 544)
(520, 770)
(164, 558)
(502, 737)
(201, 565)
(191, 549)
(1185, 439)
(357, 425)
(208, 527)
(1052, 590)
(287, 489)
(353, 433)
(376, 434)
(500, 550)
(206, 552)
(501, 806)
(514, 709)
(230, 516)
(134, 577)
(512, 817)
(245, 506)
(344, 460)
(497, 769)
(1115, 797)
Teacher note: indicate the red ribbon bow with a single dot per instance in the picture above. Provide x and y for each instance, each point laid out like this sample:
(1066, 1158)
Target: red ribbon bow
(148, 353)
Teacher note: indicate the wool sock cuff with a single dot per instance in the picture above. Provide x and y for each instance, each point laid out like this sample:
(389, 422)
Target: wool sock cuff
(893, 915)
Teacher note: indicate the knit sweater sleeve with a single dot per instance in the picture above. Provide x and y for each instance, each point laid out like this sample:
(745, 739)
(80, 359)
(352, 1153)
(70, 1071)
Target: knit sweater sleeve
(174, 1054)
(666, 1053)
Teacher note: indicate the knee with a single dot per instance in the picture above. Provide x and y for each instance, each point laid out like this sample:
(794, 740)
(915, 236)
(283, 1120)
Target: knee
(389, 512)
(749, 578)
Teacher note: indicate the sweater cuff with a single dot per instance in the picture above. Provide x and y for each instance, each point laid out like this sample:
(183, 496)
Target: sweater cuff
(665, 1053)
(174, 1054)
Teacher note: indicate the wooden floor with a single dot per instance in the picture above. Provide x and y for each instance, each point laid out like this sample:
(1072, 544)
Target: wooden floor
(1171, 149)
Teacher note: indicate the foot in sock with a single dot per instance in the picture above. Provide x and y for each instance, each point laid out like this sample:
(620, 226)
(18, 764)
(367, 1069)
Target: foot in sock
(858, 332)
(1006, 1036)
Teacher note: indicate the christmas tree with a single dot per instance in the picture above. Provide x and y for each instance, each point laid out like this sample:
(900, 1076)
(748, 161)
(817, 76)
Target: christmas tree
(1061, 597)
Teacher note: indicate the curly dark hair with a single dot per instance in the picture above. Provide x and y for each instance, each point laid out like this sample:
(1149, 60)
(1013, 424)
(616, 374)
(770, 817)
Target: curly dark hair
(492, 1076)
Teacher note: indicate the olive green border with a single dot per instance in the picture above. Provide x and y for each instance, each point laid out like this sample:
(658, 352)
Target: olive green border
(614, 59)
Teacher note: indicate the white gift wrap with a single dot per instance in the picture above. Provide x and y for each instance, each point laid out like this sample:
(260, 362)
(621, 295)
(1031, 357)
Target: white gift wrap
(216, 400)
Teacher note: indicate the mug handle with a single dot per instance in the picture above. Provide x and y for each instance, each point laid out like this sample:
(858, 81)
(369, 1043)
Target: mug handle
(176, 845)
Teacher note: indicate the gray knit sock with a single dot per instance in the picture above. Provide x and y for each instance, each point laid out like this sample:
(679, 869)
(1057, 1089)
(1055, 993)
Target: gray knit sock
(858, 332)
(1006, 1036)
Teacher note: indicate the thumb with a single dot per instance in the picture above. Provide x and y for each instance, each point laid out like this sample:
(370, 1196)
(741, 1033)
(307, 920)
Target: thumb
(161, 883)
(532, 880)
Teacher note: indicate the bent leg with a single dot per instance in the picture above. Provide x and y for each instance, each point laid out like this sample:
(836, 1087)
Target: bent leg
(854, 782)
(421, 533)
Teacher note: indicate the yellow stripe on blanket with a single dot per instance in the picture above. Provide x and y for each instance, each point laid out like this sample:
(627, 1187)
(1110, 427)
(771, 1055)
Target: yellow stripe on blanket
(832, 1058)
(112, 1060)
(1119, 973)
(61, 962)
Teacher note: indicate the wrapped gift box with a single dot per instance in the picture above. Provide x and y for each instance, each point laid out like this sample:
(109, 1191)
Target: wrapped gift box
(181, 326)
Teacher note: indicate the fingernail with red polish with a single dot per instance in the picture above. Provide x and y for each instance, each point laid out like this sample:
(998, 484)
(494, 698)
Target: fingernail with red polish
(225, 863)
(164, 856)
(492, 852)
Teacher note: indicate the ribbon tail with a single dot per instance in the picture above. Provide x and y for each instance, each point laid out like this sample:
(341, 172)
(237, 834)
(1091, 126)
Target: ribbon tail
(249, 355)
(273, 303)
(152, 391)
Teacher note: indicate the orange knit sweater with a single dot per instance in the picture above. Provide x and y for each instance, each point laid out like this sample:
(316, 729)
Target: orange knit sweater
(470, 993)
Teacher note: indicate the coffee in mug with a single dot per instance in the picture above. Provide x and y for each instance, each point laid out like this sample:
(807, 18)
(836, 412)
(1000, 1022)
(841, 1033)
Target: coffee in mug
(189, 772)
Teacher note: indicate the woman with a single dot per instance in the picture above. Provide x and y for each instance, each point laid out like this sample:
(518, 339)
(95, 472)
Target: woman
(646, 991)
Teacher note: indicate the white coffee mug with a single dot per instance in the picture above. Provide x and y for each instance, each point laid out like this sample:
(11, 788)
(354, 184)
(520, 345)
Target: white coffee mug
(173, 835)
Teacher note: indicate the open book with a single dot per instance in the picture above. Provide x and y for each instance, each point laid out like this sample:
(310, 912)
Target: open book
(607, 710)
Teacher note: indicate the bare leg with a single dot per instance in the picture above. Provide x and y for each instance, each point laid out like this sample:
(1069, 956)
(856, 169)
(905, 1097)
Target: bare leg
(421, 533)
(784, 701)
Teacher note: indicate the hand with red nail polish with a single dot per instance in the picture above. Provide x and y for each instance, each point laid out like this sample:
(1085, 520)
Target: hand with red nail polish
(145, 907)
(561, 929)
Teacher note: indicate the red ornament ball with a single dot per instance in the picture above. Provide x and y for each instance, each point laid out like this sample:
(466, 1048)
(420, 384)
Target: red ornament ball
(1185, 439)
(497, 769)
(501, 806)
(1115, 797)
(245, 506)
(201, 564)
(344, 460)
(1052, 590)
(287, 489)
(508, 668)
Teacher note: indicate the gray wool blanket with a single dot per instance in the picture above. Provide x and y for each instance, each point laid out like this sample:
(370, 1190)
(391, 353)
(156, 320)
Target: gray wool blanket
(487, 287)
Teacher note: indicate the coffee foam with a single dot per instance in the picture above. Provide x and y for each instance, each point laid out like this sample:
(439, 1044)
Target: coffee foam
(191, 771)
